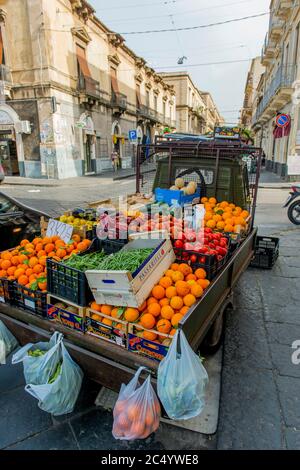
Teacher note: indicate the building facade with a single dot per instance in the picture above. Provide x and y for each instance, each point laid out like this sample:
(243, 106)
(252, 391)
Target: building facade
(71, 90)
(253, 79)
(195, 110)
(278, 90)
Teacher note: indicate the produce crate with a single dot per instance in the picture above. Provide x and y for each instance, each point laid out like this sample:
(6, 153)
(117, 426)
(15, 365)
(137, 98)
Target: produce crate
(144, 347)
(70, 283)
(33, 301)
(112, 334)
(65, 313)
(171, 197)
(266, 252)
(211, 265)
(82, 231)
(6, 287)
(131, 289)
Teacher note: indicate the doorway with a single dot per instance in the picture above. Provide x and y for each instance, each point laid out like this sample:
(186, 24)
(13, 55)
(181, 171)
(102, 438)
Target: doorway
(88, 154)
(9, 155)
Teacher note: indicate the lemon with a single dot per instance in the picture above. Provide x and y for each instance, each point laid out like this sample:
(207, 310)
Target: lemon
(70, 219)
(63, 218)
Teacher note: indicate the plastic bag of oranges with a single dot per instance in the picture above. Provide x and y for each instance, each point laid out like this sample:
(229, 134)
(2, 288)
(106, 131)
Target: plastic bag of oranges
(181, 380)
(137, 411)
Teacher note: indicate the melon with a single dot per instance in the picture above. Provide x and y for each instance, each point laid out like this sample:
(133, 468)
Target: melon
(174, 188)
(189, 190)
(179, 183)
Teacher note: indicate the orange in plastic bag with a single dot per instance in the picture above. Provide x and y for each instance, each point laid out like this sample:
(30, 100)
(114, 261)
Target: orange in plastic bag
(137, 411)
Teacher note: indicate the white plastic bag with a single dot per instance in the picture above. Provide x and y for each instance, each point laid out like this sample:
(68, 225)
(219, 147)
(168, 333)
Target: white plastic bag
(8, 343)
(181, 380)
(137, 411)
(38, 370)
(59, 397)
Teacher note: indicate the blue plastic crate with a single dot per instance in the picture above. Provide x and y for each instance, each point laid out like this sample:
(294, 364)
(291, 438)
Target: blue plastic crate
(172, 198)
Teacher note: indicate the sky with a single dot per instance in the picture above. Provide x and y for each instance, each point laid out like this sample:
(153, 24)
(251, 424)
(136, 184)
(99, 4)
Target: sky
(241, 40)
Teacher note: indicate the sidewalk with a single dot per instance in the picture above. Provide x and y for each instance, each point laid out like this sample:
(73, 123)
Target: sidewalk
(269, 180)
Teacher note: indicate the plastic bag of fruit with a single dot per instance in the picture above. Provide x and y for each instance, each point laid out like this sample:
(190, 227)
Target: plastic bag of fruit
(8, 343)
(59, 394)
(181, 380)
(39, 359)
(137, 411)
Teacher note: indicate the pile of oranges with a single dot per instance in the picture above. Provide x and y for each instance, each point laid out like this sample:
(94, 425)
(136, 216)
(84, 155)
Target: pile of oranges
(170, 300)
(26, 264)
(224, 216)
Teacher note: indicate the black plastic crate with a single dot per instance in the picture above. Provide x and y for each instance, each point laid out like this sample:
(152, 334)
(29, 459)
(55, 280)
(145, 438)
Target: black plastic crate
(6, 290)
(266, 252)
(33, 301)
(70, 283)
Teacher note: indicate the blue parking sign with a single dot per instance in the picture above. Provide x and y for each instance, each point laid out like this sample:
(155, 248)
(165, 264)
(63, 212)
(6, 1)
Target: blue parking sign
(132, 135)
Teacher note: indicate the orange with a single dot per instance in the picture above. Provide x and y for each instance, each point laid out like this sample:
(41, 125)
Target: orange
(212, 200)
(172, 332)
(176, 302)
(28, 272)
(97, 317)
(149, 336)
(61, 253)
(29, 246)
(33, 261)
(39, 247)
(158, 292)
(167, 312)
(33, 277)
(191, 277)
(211, 223)
(15, 260)
(70, 248)
(107, 321)
(5, 264)
(95, 306)
(217, 218)
(23, 280)
(208, 216)
(164, 301)
(176, 319)
(165, 282)
(185, 269)
(22, 258)
(189, 300)
(204, 283)
(164, 326)
(106, 309)
(3, 273)
(228, 228)
(115, 312)
(11, 270)
(200, 273)
(59, 243)
(131, 314)
(177, 276)
(143, 307)
(244, 214)
(204, 199)
(38, 269)
(220, 225)
(184, 310)
(223, 204)
(174, 266)
(43, 261)
(154, 309)
(148, 321)
(197, 291)
(37, 241)
(171, 292)
(182, 288)
(152, 300)
(169, 273)
(81, 246)
(6, 256)
(226, 216)
(41, 253)
(24, 242)
(42, 285)
(49, 248)
(19, 272)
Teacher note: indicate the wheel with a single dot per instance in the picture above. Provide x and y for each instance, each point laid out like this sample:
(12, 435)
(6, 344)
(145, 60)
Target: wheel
(214, 337)
(294, 212)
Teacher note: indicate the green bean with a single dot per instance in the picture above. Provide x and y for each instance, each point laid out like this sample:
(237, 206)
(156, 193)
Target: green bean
(125, 260)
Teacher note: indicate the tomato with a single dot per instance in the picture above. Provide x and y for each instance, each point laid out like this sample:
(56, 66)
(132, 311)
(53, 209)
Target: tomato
(212, 245)
(224, 240)
(221, 251)
(219, 257)
(203, 249)
(202, 260)
(178, 244)
(193, 259)
(190, 237)
(223, 244)
(208, 230)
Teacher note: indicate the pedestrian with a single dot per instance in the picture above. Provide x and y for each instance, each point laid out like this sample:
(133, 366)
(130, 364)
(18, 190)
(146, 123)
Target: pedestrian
(115, 160)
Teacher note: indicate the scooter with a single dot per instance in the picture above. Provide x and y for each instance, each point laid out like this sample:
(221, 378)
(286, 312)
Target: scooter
(294, 207)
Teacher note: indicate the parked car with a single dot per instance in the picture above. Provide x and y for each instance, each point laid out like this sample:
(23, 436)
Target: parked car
(17, 222)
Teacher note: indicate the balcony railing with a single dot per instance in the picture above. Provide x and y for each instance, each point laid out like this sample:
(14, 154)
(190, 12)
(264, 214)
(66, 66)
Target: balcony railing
(146, 112)
(5, 75)
(119, 100)
(91, 88)
(284, 78)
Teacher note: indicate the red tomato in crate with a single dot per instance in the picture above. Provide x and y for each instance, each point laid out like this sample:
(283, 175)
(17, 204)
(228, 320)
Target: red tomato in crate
(193, 259)
(178, 244)
(224, 240)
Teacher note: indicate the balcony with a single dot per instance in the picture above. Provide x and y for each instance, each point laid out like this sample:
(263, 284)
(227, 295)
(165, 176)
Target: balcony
(90, 91)
(276, 28)
(119, 103)
(284, 7)
(268, 50)
(278, 93)
(146, 112)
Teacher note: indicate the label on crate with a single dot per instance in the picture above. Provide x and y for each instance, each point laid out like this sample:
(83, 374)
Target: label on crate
(65, 318)
(29, 303)
(146, 348)
(110, 334)
(64, 231)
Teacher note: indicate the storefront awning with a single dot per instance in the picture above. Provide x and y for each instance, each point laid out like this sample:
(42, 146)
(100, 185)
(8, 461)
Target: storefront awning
(81, 57)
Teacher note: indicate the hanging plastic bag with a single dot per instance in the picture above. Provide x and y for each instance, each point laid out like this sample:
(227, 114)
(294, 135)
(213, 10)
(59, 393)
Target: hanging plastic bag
(59, 394)
(181, 380)
(137, 411)
(39, 359)
(8, 343)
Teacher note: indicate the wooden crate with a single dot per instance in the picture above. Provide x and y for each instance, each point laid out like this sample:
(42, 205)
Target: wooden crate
(112, 334)
(83, 231)
(69, 319)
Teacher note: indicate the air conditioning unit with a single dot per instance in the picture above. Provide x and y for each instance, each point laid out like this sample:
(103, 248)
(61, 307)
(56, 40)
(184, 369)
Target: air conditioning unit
(26, 127)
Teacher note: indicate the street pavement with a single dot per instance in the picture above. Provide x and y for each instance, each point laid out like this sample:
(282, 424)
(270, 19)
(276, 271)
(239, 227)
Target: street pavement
(259, 407)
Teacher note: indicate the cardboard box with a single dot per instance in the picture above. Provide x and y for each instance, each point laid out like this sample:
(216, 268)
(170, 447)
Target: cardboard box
(112, 334)
(75, 321)
(131, 289)
(144, 347)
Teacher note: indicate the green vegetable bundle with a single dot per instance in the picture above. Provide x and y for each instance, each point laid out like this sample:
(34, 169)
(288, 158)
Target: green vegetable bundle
(125, 260)
(83, 263)
(56, 374)
(36, 353)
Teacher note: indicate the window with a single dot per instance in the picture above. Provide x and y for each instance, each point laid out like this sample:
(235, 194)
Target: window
(164, 108)
(2, 54)
(170, 112)
(83, 68)
(147, 99)
(114, 81)
(138, 97)
(155, 102)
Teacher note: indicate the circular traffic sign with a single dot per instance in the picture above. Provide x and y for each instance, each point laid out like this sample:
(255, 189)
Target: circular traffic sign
(283, 120)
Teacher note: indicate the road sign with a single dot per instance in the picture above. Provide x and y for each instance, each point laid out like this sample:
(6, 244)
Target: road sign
(283, 120)
(132, 135)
